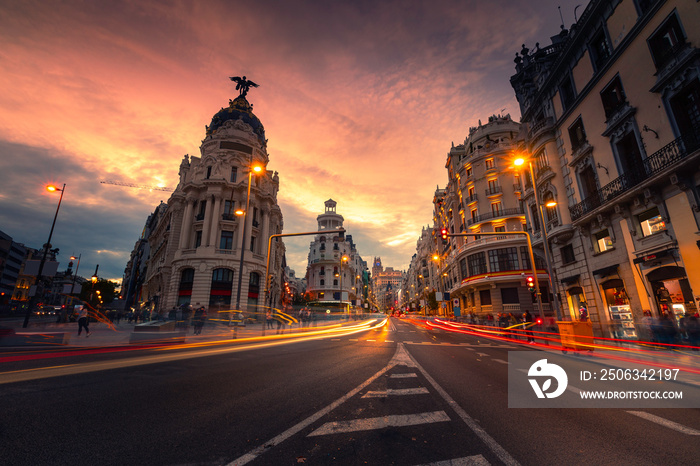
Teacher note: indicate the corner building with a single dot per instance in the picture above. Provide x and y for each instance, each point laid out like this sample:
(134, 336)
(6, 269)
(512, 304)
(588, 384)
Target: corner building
(197, 241)
(611, 111)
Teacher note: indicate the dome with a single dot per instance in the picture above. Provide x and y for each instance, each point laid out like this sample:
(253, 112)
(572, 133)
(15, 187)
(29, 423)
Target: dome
(238, 109)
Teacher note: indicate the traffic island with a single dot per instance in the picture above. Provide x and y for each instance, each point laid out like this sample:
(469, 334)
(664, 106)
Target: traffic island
(9, 337)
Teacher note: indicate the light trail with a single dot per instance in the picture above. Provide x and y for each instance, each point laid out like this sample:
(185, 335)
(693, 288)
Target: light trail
(255, 343)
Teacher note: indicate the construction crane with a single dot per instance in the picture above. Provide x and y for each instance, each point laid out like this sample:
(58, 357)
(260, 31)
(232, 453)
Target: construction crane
(139, 186)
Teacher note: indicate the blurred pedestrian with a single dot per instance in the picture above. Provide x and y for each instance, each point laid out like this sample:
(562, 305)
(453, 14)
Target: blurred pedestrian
(83, 321)
(268, 318)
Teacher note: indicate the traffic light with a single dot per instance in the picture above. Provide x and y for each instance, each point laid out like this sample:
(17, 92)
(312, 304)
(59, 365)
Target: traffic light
(530, 284)
(443, 234)
(538, 321)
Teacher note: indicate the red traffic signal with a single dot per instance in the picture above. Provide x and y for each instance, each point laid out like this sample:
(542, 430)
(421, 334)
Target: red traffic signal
(530, 283)
(539, 321)
(443, 234)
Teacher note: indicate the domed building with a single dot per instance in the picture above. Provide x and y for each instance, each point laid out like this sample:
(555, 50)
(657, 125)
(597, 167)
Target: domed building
(201, 251)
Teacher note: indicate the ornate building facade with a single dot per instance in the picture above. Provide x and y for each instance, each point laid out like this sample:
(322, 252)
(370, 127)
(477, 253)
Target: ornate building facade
(335, 270)
(611, 115)
(197, 241)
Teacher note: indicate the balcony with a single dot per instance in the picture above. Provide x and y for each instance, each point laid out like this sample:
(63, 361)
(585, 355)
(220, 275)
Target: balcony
(199, 217)
(228, 217)
(662, 159)
(472, 198)
(492, 215)
(493, 190)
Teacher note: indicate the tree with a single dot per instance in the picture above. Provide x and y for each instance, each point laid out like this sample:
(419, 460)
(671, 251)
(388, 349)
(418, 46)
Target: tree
(107, 291)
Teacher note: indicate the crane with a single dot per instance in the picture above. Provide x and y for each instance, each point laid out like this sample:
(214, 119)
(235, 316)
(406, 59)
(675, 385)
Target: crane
(139, 186)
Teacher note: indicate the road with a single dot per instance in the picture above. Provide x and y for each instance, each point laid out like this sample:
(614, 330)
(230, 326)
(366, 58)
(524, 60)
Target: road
(400, 394)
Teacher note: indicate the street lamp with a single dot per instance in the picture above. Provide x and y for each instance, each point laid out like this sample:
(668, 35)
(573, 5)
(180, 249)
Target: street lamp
(343, 258)
(441, 284)
(72, 286)
(253, 169)
(518, 162)
(37, 281)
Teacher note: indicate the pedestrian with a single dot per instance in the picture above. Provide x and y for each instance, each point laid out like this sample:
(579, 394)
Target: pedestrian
(527, 320)
(83, 321)
(197, 321)
(279, 325)
(268, 319)
(583, 313)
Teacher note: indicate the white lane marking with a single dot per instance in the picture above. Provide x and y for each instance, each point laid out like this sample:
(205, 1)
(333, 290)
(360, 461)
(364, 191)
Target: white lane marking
(481, 354)
(372, 423)
(471, 349)
(403, 376)
(494, 446)
(388, 341)
(370, 340)
(501, 361)
(401, 357)
(396, 391)
(666, 423)
(476, 460)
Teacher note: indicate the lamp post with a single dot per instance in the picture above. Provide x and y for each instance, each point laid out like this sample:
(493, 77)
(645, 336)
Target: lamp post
(244, 214)
(343, 258)
(37, 281)
(441, 284)
(72, 286)
(547, 259)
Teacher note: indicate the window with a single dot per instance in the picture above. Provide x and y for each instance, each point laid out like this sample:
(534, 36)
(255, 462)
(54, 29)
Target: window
(463, 268)
(509, 296)
(603, 241)
(208, 172)
(335, 282)
(226, 240)
(567, 92)
(323, 271)
(500, 229)
(490, 164)
(651, 222)
(567, 254)
(323, 282)
(477, 263)
(185, 288)
(469, 171)
(577, 135)
(473, 214)
(503, 260)
(221, 286)
(472, 194)
(496, 209)
(485, 296)
(534, 218)
(600, 50)
(550, 212)
(666, 41)
(234, 174)
(613, 97)
(494, 188)
(229, 209)
(197, 238)
(252, 243)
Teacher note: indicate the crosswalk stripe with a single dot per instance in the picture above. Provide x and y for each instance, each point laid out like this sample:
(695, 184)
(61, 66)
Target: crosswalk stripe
(403, 376)
(396, 391)
(476, 460)
(374, 423)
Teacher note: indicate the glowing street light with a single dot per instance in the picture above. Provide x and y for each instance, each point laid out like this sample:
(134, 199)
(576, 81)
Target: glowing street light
(550, 204)
(253, 169)
(37, 281)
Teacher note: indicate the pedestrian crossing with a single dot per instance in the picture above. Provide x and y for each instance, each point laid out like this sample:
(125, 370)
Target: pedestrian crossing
(398, 416)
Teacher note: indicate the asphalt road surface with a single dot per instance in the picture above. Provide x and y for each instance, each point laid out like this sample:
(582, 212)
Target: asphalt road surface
(400, 394)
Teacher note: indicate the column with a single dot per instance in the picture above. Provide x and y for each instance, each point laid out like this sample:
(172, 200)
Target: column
(206, 227)
(216, 215)
(186, 227)
(265, 220)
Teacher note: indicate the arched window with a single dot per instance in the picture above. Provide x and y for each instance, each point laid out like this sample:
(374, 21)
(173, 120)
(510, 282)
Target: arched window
(221, 286)
(184, 294)
(323, 282)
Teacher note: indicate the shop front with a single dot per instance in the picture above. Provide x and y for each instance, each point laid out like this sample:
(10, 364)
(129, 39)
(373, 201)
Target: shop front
(672, 293)
(619, 310)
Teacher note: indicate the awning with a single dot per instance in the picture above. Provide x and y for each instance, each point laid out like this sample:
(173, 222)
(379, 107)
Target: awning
(606, 270)
(652, 257)
(571, 279)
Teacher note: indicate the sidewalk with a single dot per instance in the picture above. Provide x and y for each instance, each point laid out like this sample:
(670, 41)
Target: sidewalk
(50, 334)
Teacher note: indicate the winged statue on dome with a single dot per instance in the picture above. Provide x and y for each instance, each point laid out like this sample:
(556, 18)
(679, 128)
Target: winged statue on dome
(243, 84)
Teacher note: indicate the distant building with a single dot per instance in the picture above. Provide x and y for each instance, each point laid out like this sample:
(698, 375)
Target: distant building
(386, 284)
(12, 257)
(335, 269)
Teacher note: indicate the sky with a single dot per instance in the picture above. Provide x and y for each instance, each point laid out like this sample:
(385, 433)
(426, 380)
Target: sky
(361, 102)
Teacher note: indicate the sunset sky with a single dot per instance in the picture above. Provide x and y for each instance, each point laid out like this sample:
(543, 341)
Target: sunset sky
(361, 102)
